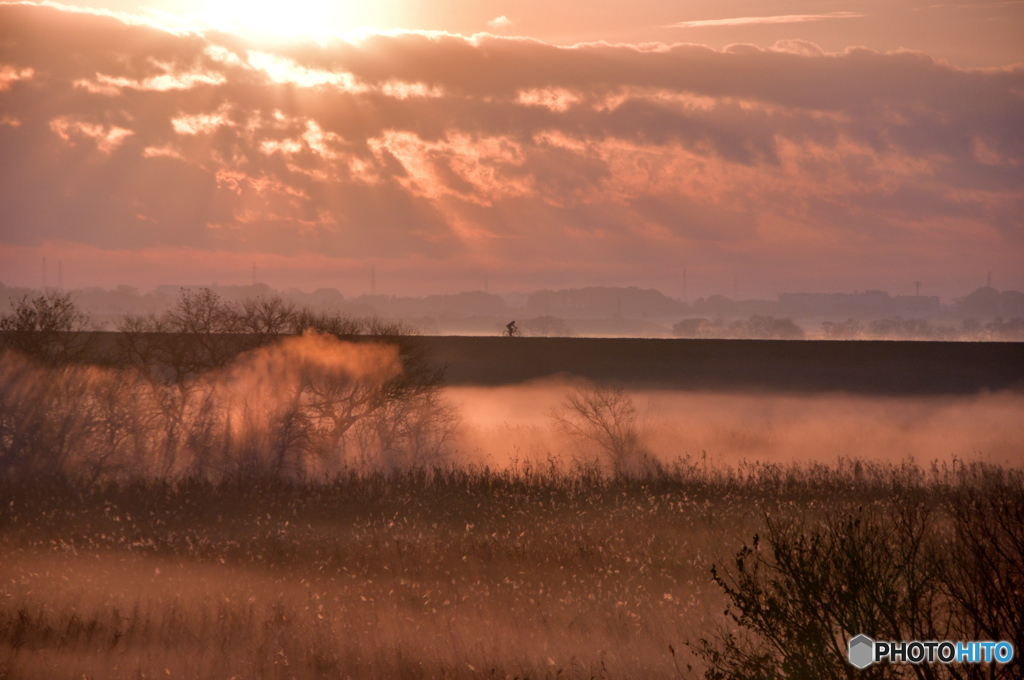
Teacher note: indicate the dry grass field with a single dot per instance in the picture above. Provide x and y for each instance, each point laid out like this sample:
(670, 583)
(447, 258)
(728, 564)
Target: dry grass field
(444, 573)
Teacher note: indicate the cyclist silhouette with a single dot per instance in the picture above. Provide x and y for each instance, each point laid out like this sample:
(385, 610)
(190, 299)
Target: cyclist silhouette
(511, 330)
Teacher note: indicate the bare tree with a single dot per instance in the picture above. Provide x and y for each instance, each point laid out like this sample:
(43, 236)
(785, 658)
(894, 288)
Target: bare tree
(49, 328)
(606, 416)
(211, 388)
(201, 312)
(267, 317)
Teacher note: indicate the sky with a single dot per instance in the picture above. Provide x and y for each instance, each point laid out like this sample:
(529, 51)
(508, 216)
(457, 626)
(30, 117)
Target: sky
(744, 147)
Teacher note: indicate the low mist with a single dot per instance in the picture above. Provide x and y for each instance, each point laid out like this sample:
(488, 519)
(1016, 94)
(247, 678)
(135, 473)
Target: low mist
(514, 423)
(301, 407)
(310, 407)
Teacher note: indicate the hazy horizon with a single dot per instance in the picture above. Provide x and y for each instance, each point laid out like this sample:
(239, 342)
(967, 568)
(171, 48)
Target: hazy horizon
(53, 283)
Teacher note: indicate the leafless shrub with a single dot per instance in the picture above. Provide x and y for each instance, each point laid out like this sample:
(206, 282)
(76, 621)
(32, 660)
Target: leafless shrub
(985, 569)
(904, 569)
(407, 432)
(607, 418)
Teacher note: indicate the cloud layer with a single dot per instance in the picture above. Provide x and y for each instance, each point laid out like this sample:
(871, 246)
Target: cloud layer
(774, 19)
(613, 161)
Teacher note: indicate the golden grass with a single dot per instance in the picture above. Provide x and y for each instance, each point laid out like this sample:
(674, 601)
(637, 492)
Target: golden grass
(453, 573)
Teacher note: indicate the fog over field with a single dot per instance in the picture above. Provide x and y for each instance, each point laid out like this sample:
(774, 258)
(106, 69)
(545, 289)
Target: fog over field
(502, 424)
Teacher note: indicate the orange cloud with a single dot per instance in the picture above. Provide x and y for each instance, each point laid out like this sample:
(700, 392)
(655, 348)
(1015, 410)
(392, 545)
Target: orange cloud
(508, 153)
(774, 19)
(203, 123)
(107, 138)
(10, 74)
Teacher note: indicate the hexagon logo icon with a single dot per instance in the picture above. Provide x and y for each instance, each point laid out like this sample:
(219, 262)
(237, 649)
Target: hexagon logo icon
(862, 651)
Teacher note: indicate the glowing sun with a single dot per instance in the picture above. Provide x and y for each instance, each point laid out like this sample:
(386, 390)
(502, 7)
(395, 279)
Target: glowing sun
(275, 18)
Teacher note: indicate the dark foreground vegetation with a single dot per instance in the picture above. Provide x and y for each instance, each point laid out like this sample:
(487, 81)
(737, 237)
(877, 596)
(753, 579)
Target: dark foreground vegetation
(531, 573)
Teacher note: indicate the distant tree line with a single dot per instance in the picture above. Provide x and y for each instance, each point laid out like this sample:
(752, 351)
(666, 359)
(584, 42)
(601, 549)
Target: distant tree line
(755, 328)
(759, 327)
(547, 327)
(897, 328)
